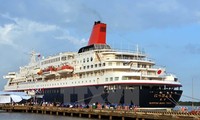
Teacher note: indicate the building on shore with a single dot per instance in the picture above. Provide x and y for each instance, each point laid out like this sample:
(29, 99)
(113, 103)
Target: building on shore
(13, 97)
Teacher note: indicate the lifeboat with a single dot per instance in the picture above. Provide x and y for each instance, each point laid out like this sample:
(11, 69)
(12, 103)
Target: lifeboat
(65, 69)
(40, 72)
(51, 70)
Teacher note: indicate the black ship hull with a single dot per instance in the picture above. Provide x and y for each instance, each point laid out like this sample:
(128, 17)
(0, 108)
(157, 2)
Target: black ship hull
(146, 97)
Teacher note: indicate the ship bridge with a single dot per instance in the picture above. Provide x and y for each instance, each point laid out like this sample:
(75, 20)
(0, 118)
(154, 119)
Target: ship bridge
(94, 47)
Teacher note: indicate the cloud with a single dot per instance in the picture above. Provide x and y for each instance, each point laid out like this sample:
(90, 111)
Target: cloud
(144, 14)
(121, 15)
(24, 34)
(12, 33)
(5, 38)
(73, 40)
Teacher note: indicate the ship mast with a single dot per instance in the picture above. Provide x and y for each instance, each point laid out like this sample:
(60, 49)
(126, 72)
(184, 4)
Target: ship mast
(192, 94)
(33, 59)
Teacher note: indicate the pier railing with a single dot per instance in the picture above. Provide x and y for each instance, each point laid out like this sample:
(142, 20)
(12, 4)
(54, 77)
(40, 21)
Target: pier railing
(103, 113)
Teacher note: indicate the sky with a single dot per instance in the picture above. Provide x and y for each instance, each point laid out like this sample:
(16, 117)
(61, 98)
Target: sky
(168, 31)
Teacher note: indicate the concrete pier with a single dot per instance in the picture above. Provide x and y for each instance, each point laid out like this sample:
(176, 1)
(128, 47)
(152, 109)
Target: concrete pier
(103, 113)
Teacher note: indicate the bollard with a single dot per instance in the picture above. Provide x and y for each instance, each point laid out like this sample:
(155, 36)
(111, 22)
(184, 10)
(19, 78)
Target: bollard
(123, 118)
(89, 115)
(99, 117)
(110, 118)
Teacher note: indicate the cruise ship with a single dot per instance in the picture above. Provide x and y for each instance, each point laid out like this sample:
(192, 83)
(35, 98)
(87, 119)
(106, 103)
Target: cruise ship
(97, 73)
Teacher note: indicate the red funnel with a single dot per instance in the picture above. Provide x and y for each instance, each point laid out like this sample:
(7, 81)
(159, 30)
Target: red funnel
(98, 35)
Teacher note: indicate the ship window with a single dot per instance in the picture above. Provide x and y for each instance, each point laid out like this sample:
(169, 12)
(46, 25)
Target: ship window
(95, 65)
(80, 68)
(124, 78)
(91, 59)
(102, 72)
(138, 65)
(84, 60)
(99, 64)
(110, 64)
(111, 78)
(149, 66)
(118, 63)
(91, 66)
(106, 79)
(104, 64)
(87, 59)
(116, 78)
(83, 67)
(90, 81)
(88, 67)
(143, 66)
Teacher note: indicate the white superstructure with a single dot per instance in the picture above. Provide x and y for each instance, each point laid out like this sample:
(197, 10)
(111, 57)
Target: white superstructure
(101, 66)
(95, 65)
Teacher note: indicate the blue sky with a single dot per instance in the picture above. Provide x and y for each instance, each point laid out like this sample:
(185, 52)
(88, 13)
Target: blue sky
(168, 31)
